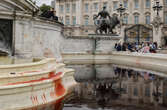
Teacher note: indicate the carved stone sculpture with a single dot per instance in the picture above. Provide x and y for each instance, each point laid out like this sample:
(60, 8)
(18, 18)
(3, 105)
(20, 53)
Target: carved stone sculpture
(104, 23)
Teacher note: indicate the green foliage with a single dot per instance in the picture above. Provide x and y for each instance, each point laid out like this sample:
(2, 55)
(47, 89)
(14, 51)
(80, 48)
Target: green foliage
(45, 7)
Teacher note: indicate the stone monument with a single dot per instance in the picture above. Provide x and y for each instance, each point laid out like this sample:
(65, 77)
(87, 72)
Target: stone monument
(104, 37)
(104, 23)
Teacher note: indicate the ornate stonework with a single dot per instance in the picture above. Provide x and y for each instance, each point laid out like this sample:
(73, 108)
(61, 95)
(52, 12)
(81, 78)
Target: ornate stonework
(18, 5)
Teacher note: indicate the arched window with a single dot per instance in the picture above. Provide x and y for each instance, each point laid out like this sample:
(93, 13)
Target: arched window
(136, 19)
(148, 19)
(125, 19)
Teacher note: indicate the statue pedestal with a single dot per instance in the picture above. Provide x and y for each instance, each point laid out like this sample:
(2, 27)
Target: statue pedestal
(104, 36)
(104, 43)
(157, 35)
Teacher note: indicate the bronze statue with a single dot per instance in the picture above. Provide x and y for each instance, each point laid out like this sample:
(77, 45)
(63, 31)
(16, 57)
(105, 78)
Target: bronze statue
(105, 24)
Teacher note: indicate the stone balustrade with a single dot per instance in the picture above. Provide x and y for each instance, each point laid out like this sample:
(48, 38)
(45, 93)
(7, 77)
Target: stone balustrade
(149, 61)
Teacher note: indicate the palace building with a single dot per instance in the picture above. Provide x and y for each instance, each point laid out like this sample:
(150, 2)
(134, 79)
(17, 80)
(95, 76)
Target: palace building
(77, 16)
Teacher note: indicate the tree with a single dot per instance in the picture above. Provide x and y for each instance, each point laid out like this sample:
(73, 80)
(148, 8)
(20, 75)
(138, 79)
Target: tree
(45, 7)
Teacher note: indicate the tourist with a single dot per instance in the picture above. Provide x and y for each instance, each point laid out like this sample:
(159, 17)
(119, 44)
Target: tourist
(146, 48)
(123, 47)
(116, 46)
(119, 47)
(51, 14)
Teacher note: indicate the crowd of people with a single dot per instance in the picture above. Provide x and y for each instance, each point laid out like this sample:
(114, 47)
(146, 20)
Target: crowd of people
(144, 47)
(130, 73)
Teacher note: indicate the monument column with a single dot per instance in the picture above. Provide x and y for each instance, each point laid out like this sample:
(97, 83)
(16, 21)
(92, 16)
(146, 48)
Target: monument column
(157, 23)
(157, 34)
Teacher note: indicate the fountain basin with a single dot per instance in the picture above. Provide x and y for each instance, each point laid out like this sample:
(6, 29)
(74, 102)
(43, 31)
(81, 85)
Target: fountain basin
(30, 85)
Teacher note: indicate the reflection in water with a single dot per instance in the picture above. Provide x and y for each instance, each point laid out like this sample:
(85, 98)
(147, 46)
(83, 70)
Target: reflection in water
(118, 89)
(127, 89)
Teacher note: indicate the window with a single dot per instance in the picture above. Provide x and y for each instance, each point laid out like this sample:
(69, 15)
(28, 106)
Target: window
(115, 5)
(67, 20)
(147, 3)
(125, 4)
(125, 20)
(136, 19)
(86, 7)
(74, 20)
(124, 89)
(73, 8)
(61, 9)
(148, 39)
(95, 6)
(135, 92)
(136, 4)
(67, 8)
(61, 19)
(147, 91)
(147, 19)
(105, 4)
(165, 18)
(86, 21)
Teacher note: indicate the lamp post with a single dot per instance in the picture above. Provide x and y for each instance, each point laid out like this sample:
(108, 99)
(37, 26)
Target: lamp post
(121, 10)
(157, 7)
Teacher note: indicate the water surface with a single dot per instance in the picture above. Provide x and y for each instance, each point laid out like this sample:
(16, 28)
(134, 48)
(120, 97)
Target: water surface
(118, 89)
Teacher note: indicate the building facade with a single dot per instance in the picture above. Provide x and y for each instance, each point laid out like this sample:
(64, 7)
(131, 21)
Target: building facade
(77, 15)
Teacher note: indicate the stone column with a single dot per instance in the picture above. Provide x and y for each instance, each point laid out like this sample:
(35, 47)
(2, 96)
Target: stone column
(122, 32)
(101, 5)
(56, 7)
(79, 12)
(157, 24)
(157, 35)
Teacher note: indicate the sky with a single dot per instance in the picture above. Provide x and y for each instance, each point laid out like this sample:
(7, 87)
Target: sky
(40, 2)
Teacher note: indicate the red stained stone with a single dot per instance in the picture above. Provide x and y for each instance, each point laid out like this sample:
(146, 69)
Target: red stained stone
(58, 104)
(59, 88)
(52, 76)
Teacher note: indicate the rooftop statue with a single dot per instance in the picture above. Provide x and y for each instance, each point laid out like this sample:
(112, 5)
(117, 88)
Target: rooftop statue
(105, 23)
